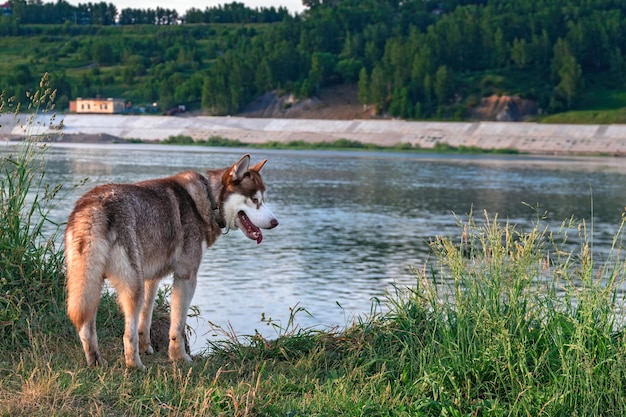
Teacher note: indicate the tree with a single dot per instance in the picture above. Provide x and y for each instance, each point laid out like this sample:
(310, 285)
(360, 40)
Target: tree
(194, 15)
(617, 67)
(378, 89)
(364, 81)
(166, 93)
(215, 94)
(8, 26)
(128, 76)
(500, 49)
(428, 89)
(443, 85)
(570, 75)
(102, 53)
(422, 65)
(190, 90)
(541, 48)
(263, 75)
(307, 89)
(322, 68)
(567, 71)
(519, 53)
(349, 69)
(400, 103)
(22, 74)
(102, 13)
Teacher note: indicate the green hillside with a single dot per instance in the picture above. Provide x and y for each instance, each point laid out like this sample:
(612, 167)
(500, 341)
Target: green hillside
(416, 59)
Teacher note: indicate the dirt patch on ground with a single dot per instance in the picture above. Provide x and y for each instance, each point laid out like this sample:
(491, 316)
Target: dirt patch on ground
(504, 109)
(342, 103)
(333, 103)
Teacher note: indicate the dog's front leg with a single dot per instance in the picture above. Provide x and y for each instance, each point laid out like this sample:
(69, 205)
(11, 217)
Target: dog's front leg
(182, 293)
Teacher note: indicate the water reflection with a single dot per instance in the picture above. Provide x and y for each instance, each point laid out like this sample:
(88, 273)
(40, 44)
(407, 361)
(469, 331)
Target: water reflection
(351, 223)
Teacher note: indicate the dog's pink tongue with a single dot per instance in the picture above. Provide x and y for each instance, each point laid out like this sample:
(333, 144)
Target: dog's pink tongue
(249, 228)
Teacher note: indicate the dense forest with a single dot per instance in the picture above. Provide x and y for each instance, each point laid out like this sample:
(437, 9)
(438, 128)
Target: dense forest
(413, 59)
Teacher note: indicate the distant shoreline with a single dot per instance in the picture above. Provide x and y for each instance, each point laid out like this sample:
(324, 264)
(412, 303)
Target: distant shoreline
(524, 137)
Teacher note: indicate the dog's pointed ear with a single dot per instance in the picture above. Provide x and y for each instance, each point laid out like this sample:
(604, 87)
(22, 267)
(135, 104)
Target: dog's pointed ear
(258, 166)
(241, 167)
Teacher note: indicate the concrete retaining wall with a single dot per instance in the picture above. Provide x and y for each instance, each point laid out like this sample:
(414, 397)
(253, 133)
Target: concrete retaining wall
(526, 137)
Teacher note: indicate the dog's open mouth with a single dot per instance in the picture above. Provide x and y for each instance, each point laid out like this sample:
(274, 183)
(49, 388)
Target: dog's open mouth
(249, 228)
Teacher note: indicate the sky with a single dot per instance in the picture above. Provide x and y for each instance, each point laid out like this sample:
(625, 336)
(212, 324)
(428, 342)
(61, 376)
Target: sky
(294, 6)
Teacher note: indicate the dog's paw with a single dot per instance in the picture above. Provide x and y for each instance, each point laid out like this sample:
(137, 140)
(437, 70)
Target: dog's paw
(133, 360)
(95, 359)
(181, 358)
(148, 350)
(136, 365)
(179, 355)
(140, 367)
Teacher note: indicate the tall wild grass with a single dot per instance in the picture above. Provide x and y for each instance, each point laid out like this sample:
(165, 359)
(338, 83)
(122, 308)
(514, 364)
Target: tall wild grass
(503, 322)
(31, 264)
(511, 323)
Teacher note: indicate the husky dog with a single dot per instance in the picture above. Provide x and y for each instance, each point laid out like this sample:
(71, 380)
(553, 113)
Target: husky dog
(135, 234)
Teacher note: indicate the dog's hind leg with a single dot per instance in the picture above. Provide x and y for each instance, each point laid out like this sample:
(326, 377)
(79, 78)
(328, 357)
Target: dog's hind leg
(182, 293)
(145, 318)
(89, 339)
(130, 297)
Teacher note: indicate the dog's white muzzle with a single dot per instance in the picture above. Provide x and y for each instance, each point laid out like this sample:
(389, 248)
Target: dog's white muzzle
(251, 221)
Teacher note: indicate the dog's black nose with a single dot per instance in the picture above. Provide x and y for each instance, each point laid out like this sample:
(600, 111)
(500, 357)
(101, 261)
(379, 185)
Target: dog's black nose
(273, 223)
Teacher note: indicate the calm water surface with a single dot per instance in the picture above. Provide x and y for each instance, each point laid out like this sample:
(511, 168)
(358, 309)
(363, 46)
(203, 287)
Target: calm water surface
(351, 224)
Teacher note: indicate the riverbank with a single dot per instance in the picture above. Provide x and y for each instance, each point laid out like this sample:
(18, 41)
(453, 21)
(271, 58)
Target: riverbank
(534, 138)
(493, 341)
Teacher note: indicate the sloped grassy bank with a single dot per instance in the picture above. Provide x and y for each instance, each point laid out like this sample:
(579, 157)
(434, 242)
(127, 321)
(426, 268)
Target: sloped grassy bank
(501, 321)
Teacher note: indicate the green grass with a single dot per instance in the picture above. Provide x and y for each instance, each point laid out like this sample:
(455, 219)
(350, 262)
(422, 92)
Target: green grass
(339, 144)
(602, 117)
(601, 98)
(596, 106)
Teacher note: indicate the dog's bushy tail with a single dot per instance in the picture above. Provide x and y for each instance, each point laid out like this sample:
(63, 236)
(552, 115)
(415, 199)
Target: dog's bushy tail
(85, 259)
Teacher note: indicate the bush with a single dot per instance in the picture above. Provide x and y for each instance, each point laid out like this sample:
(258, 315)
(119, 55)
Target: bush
(178, 140)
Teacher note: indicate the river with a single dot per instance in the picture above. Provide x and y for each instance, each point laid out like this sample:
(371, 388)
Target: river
(351, 223)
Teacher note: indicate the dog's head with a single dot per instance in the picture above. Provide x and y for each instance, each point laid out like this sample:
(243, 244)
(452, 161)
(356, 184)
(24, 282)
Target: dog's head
(243, 204)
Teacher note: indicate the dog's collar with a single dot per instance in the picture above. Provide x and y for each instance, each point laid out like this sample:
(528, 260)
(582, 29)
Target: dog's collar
(217, 215)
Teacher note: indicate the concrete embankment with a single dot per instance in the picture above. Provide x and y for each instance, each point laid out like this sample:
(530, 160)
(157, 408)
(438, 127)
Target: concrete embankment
(524, 137)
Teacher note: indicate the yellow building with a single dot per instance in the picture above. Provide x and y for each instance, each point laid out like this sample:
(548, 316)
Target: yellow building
(97, 105)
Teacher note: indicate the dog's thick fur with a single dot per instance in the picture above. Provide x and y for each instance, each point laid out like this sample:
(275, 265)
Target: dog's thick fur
(135, 234)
